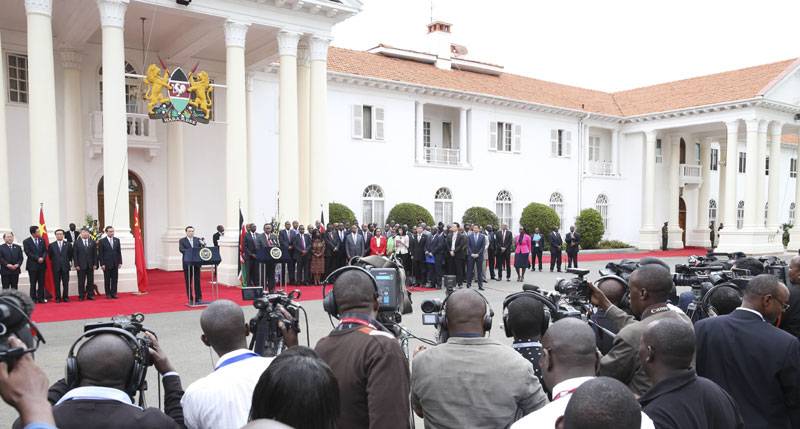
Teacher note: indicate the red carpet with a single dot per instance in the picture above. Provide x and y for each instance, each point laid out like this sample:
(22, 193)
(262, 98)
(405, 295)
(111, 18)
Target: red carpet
(687, 251)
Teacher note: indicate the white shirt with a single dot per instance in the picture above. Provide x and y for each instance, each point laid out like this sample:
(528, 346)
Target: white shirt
(761, 316)
(221, 400)
(546, 416)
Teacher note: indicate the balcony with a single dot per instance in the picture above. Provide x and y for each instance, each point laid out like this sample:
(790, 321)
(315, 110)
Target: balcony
(441, 156)
(141, 131)
(691, 175)
(600, 168)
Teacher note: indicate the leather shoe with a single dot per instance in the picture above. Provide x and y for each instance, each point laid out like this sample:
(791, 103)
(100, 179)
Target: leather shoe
(115, 297)
(58, 300)
(66, 299)
(80, 299)
(481, 288)
(90, 298)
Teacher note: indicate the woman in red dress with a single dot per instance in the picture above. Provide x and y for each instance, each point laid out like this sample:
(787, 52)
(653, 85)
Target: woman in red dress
(377, 245)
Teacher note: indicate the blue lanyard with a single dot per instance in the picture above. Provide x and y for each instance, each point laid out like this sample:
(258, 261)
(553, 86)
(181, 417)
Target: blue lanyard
(235, 359)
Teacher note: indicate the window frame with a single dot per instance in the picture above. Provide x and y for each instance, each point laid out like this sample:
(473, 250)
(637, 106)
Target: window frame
(557, 203)
(712, 210)
(426, 134)
(443, 204)
(26, 81)
(504, 208)
(740, 215)
(659, 152)
(376, 126)
(601, 205)
(742, 166)
(793, 167)
(373, 194)
(714, 161)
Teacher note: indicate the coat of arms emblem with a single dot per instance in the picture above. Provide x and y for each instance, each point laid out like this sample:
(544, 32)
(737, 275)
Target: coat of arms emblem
(188, 96)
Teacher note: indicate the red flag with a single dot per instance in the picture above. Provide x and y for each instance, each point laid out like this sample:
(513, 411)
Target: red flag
(48, 277)
(242, 231)
(321, 221)
(141, 265)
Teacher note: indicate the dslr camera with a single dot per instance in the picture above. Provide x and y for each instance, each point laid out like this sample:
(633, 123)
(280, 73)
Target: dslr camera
(15, 310)
(576, 289)
(267, 336)
(131, 323)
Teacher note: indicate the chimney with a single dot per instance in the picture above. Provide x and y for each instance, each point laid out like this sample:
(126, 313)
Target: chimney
(439, 43)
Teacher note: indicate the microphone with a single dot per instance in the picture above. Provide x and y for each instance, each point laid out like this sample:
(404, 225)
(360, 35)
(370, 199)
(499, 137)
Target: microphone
(202, 242)
(530, 288)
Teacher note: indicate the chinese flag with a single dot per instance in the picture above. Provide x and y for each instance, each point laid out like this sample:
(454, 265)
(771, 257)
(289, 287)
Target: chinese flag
(141, 266)
(48, 277)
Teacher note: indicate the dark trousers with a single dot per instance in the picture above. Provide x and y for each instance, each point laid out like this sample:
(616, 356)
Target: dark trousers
(536, 253)
(85, 282)
(9, 281)
(268, 276)
(303, 264)
(420, 271)
(664, 243)
(491, 257)
(454, 267)
(290, 268)
(37, 284)
(331, 262)
(435, 274)
(252, 272)
(405, 259)
(192, 271)
(555, 259)
(110, 277)
(475, 265)
(61, 284)
(572, 258)
(504, 260)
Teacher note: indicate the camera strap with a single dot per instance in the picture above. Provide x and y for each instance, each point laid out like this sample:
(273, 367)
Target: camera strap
(351, 320)
(235, 359)
(654, 309)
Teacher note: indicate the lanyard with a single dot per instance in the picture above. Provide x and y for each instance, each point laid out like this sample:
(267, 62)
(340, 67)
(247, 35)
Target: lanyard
(235, 359)
(358, 321)
(653, 310)
(562, 393)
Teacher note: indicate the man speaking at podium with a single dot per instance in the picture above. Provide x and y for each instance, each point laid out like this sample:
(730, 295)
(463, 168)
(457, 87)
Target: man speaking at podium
(184, 244)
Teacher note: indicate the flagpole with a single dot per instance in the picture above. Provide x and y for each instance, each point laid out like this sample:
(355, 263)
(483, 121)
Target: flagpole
(137, 242)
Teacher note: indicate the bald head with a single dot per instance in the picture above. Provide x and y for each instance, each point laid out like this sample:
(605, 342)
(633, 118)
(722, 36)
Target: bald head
(224, 328)
(355, 293)
(569, 351)
(602, 403)
(465, 312)
(669, 343)
(794, 270)
(105, 360)
(613, 289)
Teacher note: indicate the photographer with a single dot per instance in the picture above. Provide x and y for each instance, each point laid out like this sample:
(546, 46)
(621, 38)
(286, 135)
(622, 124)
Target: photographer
(650, 287)
(472, 381)
(525, 320)
(614, 290)
(366, 359)
(222, 398)
(25, 389)
(790, 320)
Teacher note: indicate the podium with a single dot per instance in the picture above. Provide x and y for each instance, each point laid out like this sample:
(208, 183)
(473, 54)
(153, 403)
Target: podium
(272, 255)
(197, 257)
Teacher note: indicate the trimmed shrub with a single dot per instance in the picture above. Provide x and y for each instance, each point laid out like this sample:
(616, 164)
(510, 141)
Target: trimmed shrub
(340, 213)
(540, 216)
(480, 215)
(408, 213)
(613, 244)
(589, 225)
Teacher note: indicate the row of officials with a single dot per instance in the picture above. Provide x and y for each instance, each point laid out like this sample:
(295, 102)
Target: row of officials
(71, 250)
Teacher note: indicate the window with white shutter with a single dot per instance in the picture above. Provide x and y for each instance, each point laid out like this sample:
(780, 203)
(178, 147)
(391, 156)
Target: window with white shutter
(379, 123)
(560, 143)
(567, 143)
(493, 136)
(358, 121)
(554, 142)
(517, 138)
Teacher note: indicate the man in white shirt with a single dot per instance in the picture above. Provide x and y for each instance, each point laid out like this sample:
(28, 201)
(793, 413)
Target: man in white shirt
(569, 359)
(222, 399)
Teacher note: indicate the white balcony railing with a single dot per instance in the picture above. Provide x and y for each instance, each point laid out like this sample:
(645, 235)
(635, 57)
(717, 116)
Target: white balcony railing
(441, 156)
(140, 129)
(691, 174)
(600, 168)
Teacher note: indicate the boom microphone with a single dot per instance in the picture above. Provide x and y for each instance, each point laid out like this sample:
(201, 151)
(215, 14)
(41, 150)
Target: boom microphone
(530, 288)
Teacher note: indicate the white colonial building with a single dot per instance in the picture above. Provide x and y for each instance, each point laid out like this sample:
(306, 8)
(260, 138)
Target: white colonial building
(296, 124)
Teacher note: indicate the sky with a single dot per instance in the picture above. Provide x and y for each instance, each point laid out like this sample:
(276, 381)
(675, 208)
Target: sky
(606, 45)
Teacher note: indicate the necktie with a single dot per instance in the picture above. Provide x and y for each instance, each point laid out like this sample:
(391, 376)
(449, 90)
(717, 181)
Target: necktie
(59, 246)
(191, 242)
(269, 242)
(37, 243)
(85, 244)
(504, 236)
(303, 241)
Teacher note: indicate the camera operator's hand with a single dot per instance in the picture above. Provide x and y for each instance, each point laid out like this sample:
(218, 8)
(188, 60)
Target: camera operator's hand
(289, 334)
(420, 348)
(160, 360)
(25, 388)
(599, 298)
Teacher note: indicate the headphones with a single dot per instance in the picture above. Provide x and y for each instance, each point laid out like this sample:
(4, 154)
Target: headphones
(487, 320)
(72, 375)
(707, 297)
(625, 301)
(549, 310)
(329, 301)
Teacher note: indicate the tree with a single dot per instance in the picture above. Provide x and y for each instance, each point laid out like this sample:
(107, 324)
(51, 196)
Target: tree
(340, 213)
(480, 215)
(541, 216)
(408, 213)
(589, 224)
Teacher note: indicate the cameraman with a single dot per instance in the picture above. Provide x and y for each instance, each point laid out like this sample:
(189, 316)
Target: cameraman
(25, 389)
(525, 319)
(614, 290)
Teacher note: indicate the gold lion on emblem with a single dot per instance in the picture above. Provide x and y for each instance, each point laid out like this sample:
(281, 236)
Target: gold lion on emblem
(202, 91)
(154, 84)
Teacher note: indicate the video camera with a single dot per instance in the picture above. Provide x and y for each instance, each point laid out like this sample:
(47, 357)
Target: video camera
(131, 323)
(267, 338)
(15, 311)
(394, 299)
(576, 289)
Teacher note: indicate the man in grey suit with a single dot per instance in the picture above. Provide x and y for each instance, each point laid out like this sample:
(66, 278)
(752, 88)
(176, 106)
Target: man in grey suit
(184, 244)
(268, 239)
(354, 244)
(302, 255)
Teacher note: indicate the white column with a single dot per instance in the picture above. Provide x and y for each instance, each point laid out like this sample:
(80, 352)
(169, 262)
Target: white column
(731, 169)
(176, 219)
(5, 186)
(794, 234)
(649, 235)
(775, 176)
(701, 232)
(675, 239)
(751, 176)
(318, 51)
(45, 182)
(288, 152)
(304, 132)
(615, 152)
(462, 137)
(236, 186)
(761, 179)
(418, 120)
(723, 168)
(75, 184)
(253, 161)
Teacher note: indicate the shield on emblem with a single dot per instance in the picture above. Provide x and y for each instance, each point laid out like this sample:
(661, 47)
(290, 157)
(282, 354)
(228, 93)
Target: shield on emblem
(179, 94)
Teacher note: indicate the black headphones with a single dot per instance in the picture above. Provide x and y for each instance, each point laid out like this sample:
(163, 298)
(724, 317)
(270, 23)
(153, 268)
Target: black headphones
(707, 297)
(72, 375)
(329, 301)
(487, 320)
(549, 310)
(625, 301)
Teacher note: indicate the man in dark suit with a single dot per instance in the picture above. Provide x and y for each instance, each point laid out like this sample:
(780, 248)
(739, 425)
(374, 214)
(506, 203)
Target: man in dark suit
(333, 247)
(416, 247)
(476, 244)
(302, 255)
(790, 321)
(755, 362)
(250, 248)
(354, 244)
(220, 232)
(455, 254)
(491, 251)
(84, 256)
(10, 261)
(110, 258)
(367, 236)
(504, 239)
(72, 234)
(36, 252)
(435, 248)
(286, 236)
(60, 256)
(191, 272)
(556, 243)
(342, 233)
(573, 240)
(268, 240)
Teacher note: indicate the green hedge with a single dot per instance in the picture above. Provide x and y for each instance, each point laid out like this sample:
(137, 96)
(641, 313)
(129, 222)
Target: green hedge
(613, 244)
(480, 215)
(589, 225)
(408, 213)
(340, 213)
(540, 216)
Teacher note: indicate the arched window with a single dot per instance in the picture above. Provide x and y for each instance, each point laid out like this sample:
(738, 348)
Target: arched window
(791, 213)
(132, 89)
(601, 205)
(557, 203)
(740, 215)
(503, 203)
(766, 212)
(712, 211)
(443, 206)
(372, 205)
